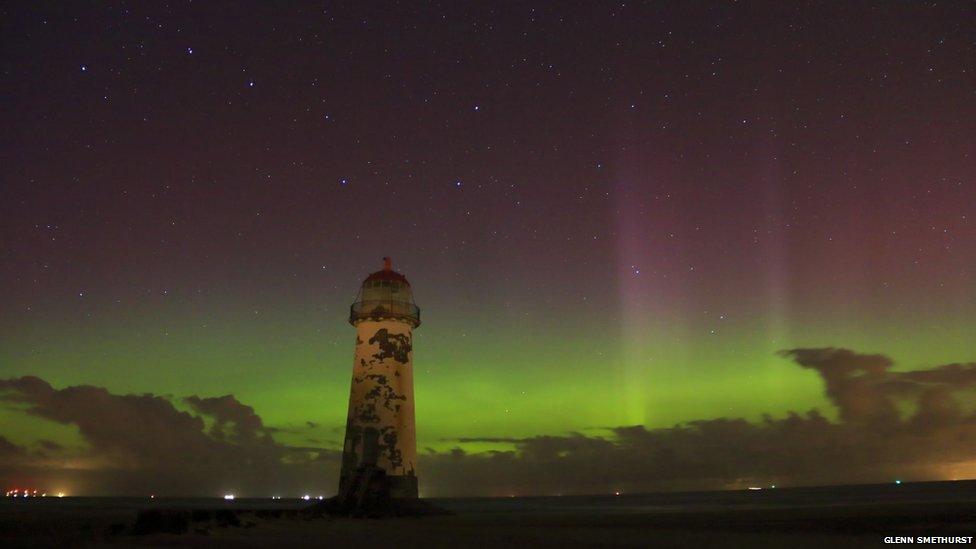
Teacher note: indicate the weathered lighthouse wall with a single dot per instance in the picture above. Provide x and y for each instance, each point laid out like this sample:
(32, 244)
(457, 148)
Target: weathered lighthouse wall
(380, 424)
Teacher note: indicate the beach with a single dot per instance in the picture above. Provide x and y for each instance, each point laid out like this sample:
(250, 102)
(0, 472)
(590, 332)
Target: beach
(837, 516)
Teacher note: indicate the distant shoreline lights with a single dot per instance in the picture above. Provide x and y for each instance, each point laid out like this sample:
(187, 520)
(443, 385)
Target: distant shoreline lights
(28, 493)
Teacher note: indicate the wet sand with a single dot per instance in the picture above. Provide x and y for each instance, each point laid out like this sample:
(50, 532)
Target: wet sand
(730, 519)
(836, 527)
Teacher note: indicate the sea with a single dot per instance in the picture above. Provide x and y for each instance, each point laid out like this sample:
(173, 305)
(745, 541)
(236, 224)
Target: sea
(962, 491)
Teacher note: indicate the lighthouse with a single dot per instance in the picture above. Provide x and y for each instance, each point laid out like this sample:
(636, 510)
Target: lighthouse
(380, 449)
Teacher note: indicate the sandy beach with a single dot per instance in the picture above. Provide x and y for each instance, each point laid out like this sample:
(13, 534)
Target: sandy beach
(842, 517)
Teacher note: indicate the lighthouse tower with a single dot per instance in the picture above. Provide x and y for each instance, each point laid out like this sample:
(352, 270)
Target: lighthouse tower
(381, 440)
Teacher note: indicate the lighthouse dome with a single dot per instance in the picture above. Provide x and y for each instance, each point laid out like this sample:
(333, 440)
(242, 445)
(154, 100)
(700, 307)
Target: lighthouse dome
(385, 294)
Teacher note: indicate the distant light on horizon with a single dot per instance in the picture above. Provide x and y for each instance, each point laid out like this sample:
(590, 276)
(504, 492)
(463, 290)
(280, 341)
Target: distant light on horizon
(228, 496)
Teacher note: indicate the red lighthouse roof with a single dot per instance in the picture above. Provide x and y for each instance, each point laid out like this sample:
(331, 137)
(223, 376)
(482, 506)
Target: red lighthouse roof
(387, 273)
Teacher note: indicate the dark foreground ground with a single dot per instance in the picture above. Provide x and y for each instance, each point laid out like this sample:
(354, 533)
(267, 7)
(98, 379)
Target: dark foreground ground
(823, 517)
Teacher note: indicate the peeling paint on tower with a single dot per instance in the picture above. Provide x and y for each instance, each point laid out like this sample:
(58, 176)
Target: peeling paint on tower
(380, 428)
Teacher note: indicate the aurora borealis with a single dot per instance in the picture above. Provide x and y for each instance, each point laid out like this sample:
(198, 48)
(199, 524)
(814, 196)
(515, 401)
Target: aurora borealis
(611, 215)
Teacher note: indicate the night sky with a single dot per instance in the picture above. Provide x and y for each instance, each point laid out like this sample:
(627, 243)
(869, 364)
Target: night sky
(656, 246)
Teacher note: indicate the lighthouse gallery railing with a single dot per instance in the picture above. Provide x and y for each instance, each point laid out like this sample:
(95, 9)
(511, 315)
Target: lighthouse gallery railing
(376, 309)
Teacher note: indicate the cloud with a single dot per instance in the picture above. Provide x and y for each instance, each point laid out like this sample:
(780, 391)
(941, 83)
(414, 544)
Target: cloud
(854, 382)
(892, 424)
(9, 449)
(144, 444)
(228, 412)
(958, 375)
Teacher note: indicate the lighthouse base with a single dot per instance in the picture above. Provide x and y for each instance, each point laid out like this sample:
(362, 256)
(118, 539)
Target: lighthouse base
(393, 507)
(369, 491)
(371, 483)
